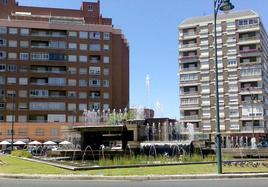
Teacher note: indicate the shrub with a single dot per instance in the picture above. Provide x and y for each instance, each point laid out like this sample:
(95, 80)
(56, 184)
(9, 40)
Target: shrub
(21, 153)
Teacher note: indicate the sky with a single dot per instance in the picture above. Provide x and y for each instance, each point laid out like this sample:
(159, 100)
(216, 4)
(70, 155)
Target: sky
(151, 28)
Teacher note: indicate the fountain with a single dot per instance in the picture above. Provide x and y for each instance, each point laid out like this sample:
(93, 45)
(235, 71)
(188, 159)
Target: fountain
(253, 143)
(85, 151)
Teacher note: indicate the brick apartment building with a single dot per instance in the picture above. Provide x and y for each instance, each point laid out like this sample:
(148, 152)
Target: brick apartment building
(54, 63)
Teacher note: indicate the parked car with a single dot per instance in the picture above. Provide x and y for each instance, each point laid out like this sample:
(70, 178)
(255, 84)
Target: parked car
(263, 144)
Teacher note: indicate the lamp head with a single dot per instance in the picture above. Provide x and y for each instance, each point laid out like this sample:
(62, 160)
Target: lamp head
(226, 6)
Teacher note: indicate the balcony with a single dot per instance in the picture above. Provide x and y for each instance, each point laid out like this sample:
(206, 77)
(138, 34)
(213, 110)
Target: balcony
(189, 93)
(189, 69)
(47, 33)
(190, 117)
(245, 39)
(47, 71)
(251, 89)
(190, 58)
(249, 26)
(249, 128)
(249, 52)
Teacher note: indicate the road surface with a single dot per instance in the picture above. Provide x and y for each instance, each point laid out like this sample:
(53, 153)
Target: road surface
(254, 182)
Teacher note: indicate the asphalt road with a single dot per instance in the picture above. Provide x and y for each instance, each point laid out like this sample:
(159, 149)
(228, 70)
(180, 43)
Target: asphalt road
(259, 182)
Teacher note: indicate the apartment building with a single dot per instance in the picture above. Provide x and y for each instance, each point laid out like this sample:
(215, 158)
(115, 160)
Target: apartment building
(243, 80)
(54, 63)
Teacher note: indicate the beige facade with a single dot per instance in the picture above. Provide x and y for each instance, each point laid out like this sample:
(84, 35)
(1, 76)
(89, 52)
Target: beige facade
(242, 61)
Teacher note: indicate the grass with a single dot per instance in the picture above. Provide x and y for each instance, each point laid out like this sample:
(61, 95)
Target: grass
(18, 166)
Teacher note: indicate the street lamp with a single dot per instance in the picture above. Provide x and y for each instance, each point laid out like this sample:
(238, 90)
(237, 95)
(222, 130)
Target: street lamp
(12, 123)
(12, 119)
(226, 6)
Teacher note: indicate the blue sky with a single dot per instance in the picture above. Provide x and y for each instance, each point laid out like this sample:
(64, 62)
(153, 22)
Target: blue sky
(151, 29)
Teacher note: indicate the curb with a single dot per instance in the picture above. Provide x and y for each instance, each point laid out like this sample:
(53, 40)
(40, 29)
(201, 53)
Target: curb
(133, 178)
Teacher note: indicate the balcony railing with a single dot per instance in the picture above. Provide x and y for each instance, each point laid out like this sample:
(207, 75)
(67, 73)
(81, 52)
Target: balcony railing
(190, 117)
(191, 33)
(189, 45)
(45, 71)
(248, 26)
(249, 38)
(190, 69)
(189, 93)
(250, 128)
(251, 89)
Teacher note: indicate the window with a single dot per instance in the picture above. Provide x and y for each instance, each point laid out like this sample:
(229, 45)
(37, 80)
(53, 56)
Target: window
(94, 47)
(72, 45)
(94, 70)
(83, 46)
(40, 132)
(24, 56)
(12, 43)
(71, 82)
(2, 67)
(106, 47)
(3, 42)
(82, 95)
(82, 107)
(106, 36)
(94, 35)
(83, 83)
(94, 82)
(54, 132)
(11, 80)
(106, 60)
(3, 30)
(24, 32)
(13, 31)
(72, 70)
(232, 63)
(106, 95)
(9, 119)
(24, 44)
(83, 58)
(12, 55)
(83, 71)
(5, 2)
(2, 80)
(23, 106)
(90, 8)
(72, 34)
(11, 106)
(71, 119)
(40, 56)
(72, 58)
(23, 81)
(72, 94)
(22, 131)
(2, 106)
(106, 83)
(22, 93)
(3, 55)
(106, 71)
(39, 93)
(83, 35)
(71, 106)
(12, 68)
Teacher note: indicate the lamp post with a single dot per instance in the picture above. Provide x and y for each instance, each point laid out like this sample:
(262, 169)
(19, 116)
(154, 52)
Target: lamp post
(223, 5)
(12, 123)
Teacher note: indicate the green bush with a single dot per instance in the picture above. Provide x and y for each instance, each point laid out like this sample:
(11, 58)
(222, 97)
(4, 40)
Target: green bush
(21, 153)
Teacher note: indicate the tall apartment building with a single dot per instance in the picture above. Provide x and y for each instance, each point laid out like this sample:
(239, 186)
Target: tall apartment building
(54, 63)
(243, 79)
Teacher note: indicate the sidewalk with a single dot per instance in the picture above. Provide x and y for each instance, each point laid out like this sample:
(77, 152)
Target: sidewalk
(136, 178)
